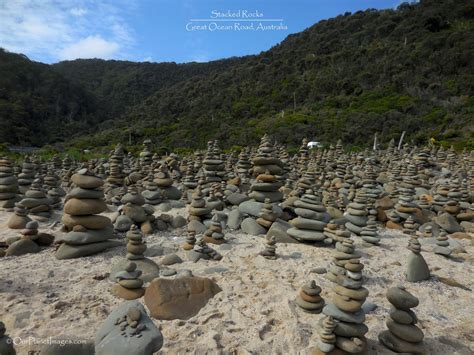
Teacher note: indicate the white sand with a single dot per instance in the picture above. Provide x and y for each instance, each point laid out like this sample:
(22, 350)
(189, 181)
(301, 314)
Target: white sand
(255, 313)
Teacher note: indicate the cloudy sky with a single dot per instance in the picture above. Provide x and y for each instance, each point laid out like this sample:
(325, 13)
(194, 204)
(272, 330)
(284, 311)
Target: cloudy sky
(158, 30)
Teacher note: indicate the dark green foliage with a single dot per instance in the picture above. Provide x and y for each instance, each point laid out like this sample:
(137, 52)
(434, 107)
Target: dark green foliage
(389, 71)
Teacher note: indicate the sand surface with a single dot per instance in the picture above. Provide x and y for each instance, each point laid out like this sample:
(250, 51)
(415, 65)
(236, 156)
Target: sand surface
(255, 312)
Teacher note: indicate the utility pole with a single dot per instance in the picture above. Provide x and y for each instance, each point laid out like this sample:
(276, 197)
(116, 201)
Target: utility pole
(401, 140)
(375, 142)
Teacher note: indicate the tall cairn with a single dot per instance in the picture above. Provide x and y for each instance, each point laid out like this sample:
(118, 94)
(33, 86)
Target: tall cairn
(402, 336)
(265, 168)
(349, 296)
(89, 232)
(8, 184)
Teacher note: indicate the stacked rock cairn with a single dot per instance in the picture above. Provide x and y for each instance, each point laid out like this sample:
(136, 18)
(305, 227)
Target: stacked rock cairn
(129, 286)
(8, 184)
(214, 233)
(270, 249)
(89, 233)
(402, 336)
(417, 269)
(309, 299)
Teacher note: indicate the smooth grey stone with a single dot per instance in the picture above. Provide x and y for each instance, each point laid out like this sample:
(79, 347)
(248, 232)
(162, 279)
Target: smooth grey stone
(177, 203)
(253, 208)
(22, 247)
(250, 226)
(164, 207)
(178, 222)
(368, 307)
(171, 259)
(401, 298)
(400, 346)
(331, 310)
(359, 221)
(67, 251)
(306, 235)
(196, 226)
(417, 269)
(403, 317)
(407, 332)
(279, 230)
(91, 236)
(237, 198)
(79, 192)
(123, 223)
(171, 193)
(235, 219)
(448, 223)
(167, 272)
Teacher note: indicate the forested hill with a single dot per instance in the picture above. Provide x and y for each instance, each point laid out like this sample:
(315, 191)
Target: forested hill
(348, 77)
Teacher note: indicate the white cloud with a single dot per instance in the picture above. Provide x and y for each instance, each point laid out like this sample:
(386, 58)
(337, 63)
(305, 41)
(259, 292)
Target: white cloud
(52, 30)
(147, 59)
(90, 47)
(78, 11)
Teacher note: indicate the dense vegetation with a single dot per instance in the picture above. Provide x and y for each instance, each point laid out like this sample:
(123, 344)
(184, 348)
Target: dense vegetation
(348, 77)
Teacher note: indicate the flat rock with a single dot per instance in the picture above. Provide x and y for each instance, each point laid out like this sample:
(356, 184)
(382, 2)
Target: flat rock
(180, 298)
(279, 230)
(235, 219)
(148, 267)
(401, 298)
(66, 251)
(170, 259)
(398, 345)
(448, 223)
(22, 247)
(331, 310)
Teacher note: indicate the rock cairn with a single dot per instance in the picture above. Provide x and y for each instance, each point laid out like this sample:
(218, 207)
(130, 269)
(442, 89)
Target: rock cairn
(152, 194)
(19, 218)
(327, 338)
(213, 167)
(136, 248)
(37, 202)
(198, 208)
(356, 214)
(243, 166)
(311, 220)
(348, 299)
(266, 216)
(202, 251)
(27, 175)
(369, 232)
(442, 244)
(8, 184)
(165, 184)
(309, 299)
(214, 233)
(402, 336)
(129, 286)
(417, 269)
(190, 240)
(89, 232)
(270, 249)
(116, 175)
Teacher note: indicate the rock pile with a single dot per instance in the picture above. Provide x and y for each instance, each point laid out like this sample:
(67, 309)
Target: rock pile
(309, 299)
(270, 249)
(311, 220)
(129, 285)
(8, 184)
(37, 202)
(89, 232)
(214, 233)
(402, 336)
(19, 218)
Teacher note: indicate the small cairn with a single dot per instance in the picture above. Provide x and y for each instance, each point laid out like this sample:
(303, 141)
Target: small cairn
(136, 248)
(27, 175)
(214, 233)
(129, 285)
(190, 240)
(152, 194)
(270, 249)
(369, 232)
(198, 208)
(266, 216)
(116, 175)
(30, 241)
(165, 184)
(213, 167)
(442, 244)
(356, 214)
(402, 336)
(202, 251)
(8, 184)
(37, 202)
(6, 343)
(417, 269)
(309, 299)
(19, 218)
(410, 227)
(327, 341)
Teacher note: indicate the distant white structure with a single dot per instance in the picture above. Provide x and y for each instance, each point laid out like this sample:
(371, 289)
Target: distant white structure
(314, 144)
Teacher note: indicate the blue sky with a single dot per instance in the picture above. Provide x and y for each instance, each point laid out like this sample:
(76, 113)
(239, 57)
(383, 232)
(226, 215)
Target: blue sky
(159, 30)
